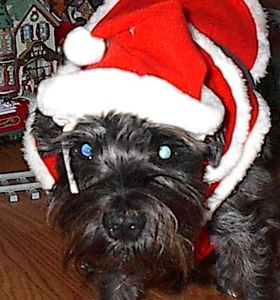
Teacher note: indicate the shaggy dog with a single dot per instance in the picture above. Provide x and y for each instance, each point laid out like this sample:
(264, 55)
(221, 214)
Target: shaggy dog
(141, 208)
(152, 138)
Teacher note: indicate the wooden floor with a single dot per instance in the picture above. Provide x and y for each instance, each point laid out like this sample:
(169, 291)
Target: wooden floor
(30, 251)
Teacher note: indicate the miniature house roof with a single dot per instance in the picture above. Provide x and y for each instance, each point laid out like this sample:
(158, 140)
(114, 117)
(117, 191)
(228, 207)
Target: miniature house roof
(5, 19)
(19, 9)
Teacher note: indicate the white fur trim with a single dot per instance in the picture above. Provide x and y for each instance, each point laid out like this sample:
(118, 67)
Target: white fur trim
(33, 158)
(259, 69)
(93, 92)
(82, 49)
(67, 68)
(251, 149)
(234, 78)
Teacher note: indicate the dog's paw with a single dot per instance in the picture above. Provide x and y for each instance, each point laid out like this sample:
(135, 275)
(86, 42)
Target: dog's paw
(225, 287)
(87, 266)
(229, 293)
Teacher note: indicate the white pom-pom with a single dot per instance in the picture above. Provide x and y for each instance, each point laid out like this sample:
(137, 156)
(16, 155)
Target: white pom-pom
(82, 49)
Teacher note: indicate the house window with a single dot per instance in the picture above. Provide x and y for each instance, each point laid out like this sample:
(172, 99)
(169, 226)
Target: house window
(26, 33)
(11, 73)
(43, 31)
(9, 43)
(2, 77)
(1, 46)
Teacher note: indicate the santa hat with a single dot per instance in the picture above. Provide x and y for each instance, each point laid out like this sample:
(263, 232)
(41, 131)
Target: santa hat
(176, 62)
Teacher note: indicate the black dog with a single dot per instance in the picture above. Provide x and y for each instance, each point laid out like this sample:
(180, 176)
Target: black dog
(141, 205)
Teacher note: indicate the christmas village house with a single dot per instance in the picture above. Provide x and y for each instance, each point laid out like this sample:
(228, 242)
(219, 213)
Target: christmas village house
(28, 54)
(35, 47)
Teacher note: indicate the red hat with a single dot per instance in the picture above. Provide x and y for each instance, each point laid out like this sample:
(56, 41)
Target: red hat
(176, 62)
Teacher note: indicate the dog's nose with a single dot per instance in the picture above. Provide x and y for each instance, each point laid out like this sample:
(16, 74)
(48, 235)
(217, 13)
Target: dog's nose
(124, 225)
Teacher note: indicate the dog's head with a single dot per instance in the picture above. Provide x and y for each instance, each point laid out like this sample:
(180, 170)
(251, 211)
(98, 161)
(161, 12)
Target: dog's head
(140, 205)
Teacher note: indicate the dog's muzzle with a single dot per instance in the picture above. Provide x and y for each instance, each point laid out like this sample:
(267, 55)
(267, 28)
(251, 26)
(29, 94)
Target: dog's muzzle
(124, 225)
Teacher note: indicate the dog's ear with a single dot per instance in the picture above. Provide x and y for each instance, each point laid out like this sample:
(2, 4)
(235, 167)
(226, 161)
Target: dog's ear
(215, 145)
(47, 134)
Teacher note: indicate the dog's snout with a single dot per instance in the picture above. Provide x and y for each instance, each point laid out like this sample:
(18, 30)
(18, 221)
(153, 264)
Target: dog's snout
(124, 225)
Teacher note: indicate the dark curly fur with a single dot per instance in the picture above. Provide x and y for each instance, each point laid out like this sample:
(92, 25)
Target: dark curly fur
(137, 217)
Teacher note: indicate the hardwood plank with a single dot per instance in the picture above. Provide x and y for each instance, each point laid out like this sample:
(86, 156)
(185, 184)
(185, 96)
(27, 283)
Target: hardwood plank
(30, 256)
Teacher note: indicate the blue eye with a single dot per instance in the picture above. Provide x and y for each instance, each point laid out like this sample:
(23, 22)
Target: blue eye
(87, 151)
(164, 152)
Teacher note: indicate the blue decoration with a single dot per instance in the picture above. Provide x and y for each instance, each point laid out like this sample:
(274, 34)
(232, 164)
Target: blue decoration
(164, 152)
(87, 151)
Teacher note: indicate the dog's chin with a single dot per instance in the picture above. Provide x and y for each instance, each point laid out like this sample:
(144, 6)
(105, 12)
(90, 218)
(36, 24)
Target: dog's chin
(153, 263)
(159, 253)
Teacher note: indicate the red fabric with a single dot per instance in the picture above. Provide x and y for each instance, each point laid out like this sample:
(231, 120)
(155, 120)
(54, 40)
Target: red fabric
(203, 248)
(135, 34)
(178, 60)
(62, 30)
(216, 82)
(255, 107)
(51, 163)
(229, 23)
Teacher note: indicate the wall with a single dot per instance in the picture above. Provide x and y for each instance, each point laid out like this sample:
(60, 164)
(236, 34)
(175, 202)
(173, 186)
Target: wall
(271, 3)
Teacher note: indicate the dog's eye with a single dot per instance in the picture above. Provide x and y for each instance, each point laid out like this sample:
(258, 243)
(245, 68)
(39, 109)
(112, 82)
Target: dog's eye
(87, 151)
(164, 152)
